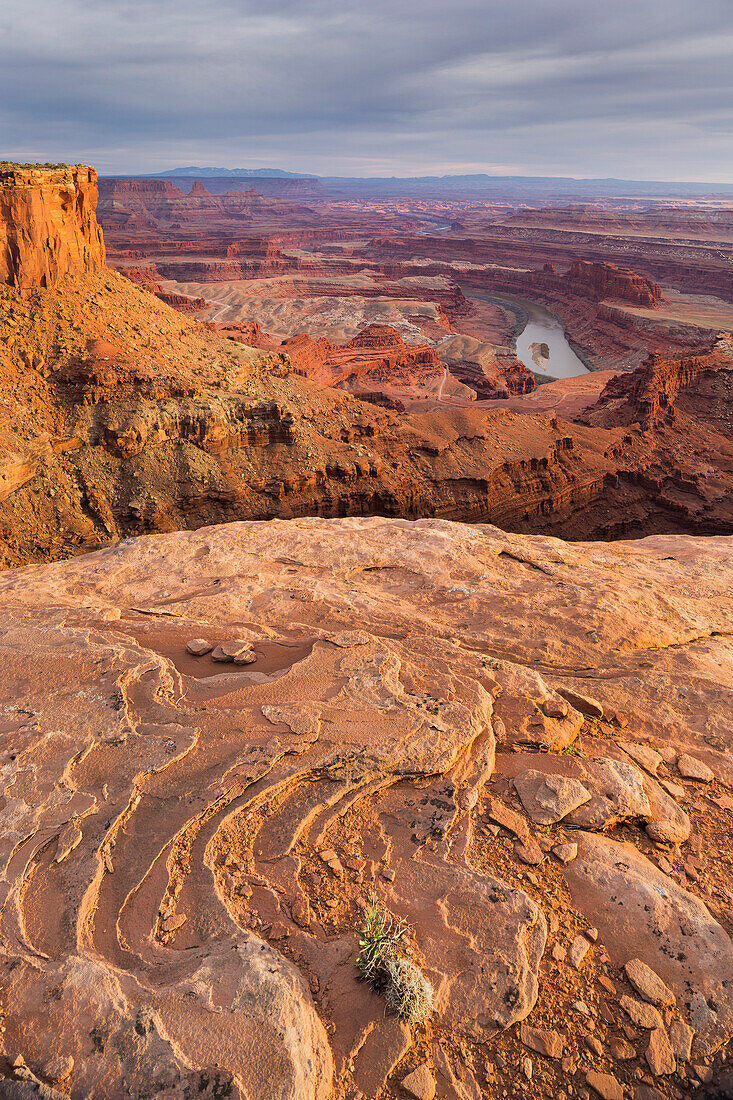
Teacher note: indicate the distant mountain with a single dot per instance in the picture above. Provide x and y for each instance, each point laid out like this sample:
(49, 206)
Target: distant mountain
(238, 173)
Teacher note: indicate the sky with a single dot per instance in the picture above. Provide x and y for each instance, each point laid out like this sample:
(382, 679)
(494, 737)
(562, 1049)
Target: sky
(637, 89)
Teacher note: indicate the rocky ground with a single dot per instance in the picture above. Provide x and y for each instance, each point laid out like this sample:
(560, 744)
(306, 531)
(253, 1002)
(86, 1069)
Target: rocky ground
(521, 746)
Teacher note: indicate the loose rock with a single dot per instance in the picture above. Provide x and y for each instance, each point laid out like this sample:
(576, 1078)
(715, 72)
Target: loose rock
(607, 1087)
(548, 798)
(549, 1043)
(584, 703)
(197, 647)
(643, 1015)
(420, 1083)
(659, 1053)
(579, 948)
(690, 767)
(648, 984)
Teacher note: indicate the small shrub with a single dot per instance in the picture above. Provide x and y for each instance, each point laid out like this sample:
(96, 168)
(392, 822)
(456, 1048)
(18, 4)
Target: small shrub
(409, 994)
(381, 939)
(383, 963)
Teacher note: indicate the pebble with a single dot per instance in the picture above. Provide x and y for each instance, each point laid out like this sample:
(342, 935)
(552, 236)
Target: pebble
(594, 1045)
(510, 820)
(579, 948)
(648, 984)
(659, 1053)
(420, 1083)
(566, 853)
(643, 1015)
(607, 1087)
(241, 653)
(690, 767)
(549, 1043)
(197, 647)
(681, 1036)
(559, 953)
(530, 852)
(622, 1051)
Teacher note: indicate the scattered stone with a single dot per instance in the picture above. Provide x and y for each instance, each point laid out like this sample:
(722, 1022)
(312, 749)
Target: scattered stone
(607, 1087)
(704, 1073)
(548, 798)
(648, 984)
(279, 931)
(388, 874)
(643, 1015)
(664, 865)
(581, 1007)
(549, 1043)
(674, 789)
(420, 1083)
(592, 934)
(565, 852)
(681, 1036)
(644, 755)
(241, 653)
(511, 821)
(579, 948)
(198, 647)
(385, 1047)
(328, 854)
(301, 912)
(529, 853)
(527, 1068)
(591, 707)
(659, 1053)
(607, 984)
(559, 953)
(555, 707)
(594, 1045)
(647, 1092)
(617, 793)
(622, 1051)
(690, 767)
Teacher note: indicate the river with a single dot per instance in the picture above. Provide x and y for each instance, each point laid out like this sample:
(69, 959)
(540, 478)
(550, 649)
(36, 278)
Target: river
(541, 345)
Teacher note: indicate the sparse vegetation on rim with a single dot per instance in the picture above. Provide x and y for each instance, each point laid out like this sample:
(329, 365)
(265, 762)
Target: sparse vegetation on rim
(383, 962)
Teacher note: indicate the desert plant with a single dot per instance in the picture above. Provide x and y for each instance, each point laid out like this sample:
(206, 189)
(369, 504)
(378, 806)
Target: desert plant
(382, 938)
(409, 994)
(383, 963)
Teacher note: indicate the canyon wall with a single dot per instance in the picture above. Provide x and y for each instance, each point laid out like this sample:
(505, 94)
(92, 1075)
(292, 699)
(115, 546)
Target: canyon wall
(48, 225)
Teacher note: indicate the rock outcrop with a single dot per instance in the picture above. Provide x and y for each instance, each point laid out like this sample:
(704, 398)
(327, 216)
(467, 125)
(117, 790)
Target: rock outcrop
(187, 844)
(377, 355)
(604, 280)
(48, 224)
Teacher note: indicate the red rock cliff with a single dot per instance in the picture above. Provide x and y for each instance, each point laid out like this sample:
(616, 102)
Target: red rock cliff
(48, 225)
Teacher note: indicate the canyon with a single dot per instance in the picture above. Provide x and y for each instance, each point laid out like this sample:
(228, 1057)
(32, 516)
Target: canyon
(313, 592)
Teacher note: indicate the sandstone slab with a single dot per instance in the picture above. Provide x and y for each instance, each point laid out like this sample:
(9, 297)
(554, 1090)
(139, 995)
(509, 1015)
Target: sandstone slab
(548, 798)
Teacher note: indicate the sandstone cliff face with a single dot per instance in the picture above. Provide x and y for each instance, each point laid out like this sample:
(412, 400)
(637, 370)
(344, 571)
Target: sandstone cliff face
(187, 845)
(606, 280)
(48, 225)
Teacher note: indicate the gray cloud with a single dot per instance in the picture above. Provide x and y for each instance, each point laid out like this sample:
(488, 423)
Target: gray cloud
(636, 88)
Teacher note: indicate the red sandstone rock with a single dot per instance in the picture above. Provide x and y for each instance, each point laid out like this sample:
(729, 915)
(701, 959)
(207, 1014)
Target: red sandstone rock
(48, 225)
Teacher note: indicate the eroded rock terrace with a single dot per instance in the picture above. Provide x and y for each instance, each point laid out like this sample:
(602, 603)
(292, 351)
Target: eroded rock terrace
(186, 844)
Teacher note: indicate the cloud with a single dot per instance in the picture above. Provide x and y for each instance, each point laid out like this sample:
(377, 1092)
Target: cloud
(639, 88)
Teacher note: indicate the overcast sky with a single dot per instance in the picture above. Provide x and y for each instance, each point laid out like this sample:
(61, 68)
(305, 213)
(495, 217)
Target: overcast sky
(639, 89)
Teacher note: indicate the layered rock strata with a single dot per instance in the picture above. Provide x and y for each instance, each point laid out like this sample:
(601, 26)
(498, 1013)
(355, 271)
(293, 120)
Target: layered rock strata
(186, 845)
(48, 224)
